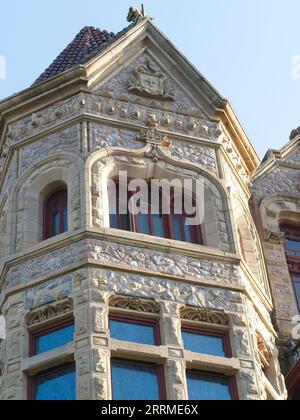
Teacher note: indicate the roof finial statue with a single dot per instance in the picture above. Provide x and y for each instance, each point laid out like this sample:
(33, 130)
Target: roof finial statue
(135, 14)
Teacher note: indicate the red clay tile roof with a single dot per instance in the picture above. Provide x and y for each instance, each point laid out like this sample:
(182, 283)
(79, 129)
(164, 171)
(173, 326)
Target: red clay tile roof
(87, 44)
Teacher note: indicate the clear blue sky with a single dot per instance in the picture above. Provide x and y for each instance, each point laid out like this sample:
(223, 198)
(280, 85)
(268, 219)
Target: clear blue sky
(244, 47)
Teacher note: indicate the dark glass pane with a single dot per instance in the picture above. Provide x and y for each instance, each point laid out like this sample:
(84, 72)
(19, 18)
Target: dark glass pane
(143, 221)
(55, 339)
(205, 387)
(204, 344)
(65, 219)
(56, 224)
(57, 385)
(134, 333)
(134, 381)
(177, 223)
(125, 222)
(158, 225)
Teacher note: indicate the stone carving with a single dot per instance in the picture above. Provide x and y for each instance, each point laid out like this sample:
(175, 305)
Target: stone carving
(134, 14)
(83, 364)
(274, 237)
(100, 389)
(264, 353)
(84, 389)
(134, 304)
(81, 321)
(177, 370)
(99, 320)
(152, 135)
(205, 315)
(242, 342)
(295, 133)
(100, 361)
(145, 80)
(250, 382)
(173, 335)
(49, 312)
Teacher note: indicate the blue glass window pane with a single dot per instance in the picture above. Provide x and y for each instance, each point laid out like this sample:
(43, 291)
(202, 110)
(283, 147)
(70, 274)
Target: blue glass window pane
(132, 333)
(293, 247)
(204, 387)
(143, 224)
(297, 291)
(177, 227)
(114, 223)
(57, 385)
(158, 225)
(134, 381)
(65, 219)
(55, 339)
(56, 224)
(187, 229)
(204, 344)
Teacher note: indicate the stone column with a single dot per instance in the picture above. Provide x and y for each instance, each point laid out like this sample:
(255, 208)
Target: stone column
(170, 326)
(91, 342)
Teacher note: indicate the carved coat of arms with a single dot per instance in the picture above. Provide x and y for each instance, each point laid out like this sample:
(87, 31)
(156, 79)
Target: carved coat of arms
(147, 81)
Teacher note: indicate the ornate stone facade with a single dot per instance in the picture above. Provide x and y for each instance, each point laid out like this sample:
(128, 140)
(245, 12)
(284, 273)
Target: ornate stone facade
(150, 113)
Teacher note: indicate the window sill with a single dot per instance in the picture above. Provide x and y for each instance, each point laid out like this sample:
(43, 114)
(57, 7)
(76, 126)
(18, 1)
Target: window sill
(227, 366)
(36, 364)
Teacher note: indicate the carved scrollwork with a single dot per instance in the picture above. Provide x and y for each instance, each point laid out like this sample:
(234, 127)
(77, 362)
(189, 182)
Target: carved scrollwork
(205, 315)
(134, 304)
(49, 312)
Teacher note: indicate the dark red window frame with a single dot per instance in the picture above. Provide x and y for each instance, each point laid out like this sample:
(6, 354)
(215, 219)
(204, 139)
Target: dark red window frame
(224, 335)
(231, 381)
(292, 232)
(139, 321)
(133, 224)
(39, 332)
(60, 195)
(32, 380)
(160, 375)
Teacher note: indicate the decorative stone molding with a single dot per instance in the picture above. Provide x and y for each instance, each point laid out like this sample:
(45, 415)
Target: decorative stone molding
(153, 135)
(134, 304)
(145, 80)
(205, 315)
(274, 237)
(49, 312)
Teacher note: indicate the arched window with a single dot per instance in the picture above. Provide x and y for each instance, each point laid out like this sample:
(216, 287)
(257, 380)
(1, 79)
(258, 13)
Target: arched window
(56, 213)
(292, 248)
(152, 219)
